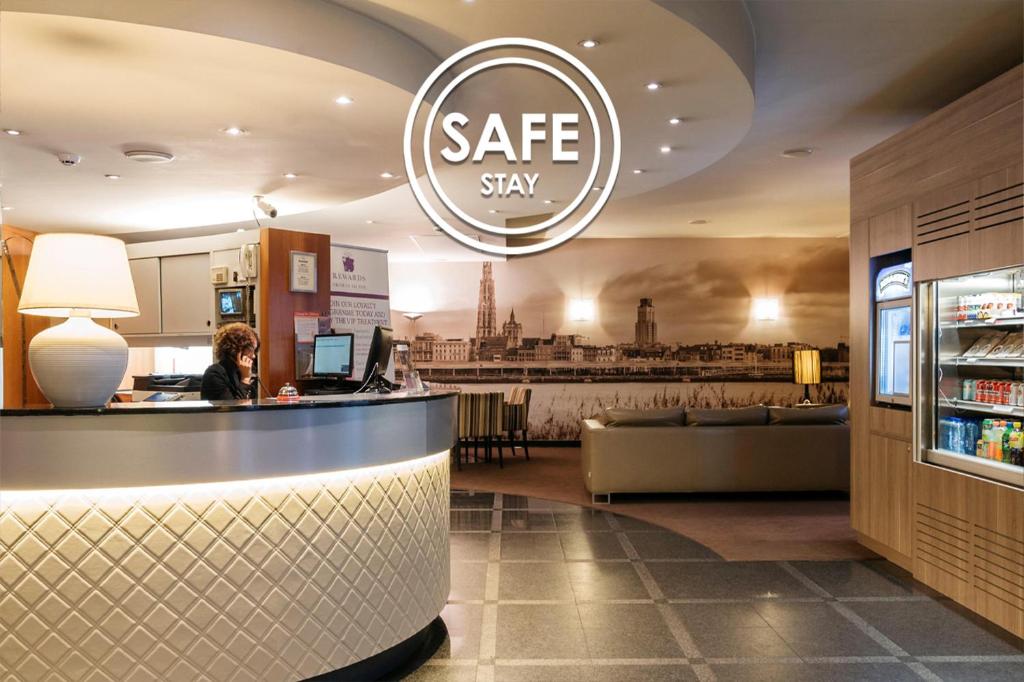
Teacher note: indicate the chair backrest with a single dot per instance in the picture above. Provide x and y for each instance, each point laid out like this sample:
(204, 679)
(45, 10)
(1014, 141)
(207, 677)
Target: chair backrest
(480, 414)
(517, 413)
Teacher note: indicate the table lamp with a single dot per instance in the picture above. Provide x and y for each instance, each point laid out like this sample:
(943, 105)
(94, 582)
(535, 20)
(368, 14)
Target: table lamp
(807, 370)
(78, 363)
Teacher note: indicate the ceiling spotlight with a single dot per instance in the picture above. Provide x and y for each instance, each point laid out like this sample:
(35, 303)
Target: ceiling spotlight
(344, 100)
(8, 208)
(699, 221)
(596, 188)
(638, 171)
(675, 120)
(653, 85)
(12, 131)
(387, 175)
(492, 210)
(291, 176)
(266, 207)
(235, 131)
(241, 229)
(665, 149)
(112, 176)
(548, 201)
(589, 43)
(369, 222)
(798, 152)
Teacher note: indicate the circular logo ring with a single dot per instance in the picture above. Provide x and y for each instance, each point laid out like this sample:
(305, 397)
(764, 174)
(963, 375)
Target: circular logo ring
(583, 222)
(558, 217)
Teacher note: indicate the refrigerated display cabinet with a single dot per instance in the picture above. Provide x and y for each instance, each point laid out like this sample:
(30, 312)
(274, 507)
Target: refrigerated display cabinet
(971, 351)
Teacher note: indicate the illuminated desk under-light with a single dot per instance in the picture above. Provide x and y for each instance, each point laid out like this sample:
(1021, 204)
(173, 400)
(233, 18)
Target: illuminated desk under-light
(221, 541)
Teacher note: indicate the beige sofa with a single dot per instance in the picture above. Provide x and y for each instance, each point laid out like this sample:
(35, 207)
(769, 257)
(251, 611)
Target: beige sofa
(728, 458)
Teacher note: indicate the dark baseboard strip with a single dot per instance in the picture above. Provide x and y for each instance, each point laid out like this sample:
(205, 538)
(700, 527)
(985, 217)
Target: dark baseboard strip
(394, 663)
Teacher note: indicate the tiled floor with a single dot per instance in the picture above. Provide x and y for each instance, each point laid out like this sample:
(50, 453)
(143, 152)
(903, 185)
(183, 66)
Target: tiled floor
(550, 591)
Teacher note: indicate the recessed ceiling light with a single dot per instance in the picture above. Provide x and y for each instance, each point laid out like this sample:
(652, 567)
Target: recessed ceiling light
(8, 208)
(653, 85)
(675, 120)
(145, 156)
(344, 100)
(665, 149)
(241, 229)
(112, 176)
(291, 176)
(699, 221)
(589, 43)
(12, 131)
(596, 188)
(387, 175)
(234, 131)
(369, 222)
(492, 210)
(548, 201)
(638, 171)
(798, 152)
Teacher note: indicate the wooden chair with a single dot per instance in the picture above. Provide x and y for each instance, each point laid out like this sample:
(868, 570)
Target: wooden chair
(517, 417)
(480, 423)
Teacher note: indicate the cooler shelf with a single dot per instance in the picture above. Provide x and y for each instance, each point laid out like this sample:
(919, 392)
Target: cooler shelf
(990, 408)
(983, 362)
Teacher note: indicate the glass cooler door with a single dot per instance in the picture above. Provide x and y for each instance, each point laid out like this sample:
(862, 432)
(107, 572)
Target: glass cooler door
(972, 374)
(892, 363)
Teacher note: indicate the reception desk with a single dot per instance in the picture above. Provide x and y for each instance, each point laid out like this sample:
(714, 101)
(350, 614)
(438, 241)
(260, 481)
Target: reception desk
(222, 541)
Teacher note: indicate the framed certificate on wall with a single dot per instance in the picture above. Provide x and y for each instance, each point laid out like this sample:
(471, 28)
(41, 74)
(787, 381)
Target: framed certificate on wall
(302, 272)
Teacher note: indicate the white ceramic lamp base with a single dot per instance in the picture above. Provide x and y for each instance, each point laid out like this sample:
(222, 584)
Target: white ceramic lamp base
(78, 363)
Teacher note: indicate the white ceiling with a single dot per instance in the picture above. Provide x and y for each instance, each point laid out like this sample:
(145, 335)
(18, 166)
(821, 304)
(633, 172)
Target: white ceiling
(838, 76)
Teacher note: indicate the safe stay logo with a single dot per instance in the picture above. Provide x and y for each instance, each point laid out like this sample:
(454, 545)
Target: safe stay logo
(519, 144)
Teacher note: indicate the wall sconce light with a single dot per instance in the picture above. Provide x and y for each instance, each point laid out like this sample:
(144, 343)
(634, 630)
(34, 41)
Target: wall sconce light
(581, 309)
(766, 309)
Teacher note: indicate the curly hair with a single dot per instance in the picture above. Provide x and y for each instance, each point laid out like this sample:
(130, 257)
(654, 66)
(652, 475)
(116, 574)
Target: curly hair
(234, 338)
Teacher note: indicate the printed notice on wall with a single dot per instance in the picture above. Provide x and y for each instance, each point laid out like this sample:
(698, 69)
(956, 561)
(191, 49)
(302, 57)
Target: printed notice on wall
(360, 298)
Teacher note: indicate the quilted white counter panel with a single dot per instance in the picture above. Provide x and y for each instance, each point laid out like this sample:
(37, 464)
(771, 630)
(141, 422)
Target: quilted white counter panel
(279, 579)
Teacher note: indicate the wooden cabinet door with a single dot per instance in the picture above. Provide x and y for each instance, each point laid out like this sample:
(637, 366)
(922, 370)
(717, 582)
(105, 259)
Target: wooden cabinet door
(997, 221)
(942, 233)
(146, 276)
(886, 502)
(186, 294)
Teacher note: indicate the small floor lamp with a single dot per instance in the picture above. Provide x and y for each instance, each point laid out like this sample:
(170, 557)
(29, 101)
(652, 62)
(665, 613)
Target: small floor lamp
(78, 363)
(807, 370)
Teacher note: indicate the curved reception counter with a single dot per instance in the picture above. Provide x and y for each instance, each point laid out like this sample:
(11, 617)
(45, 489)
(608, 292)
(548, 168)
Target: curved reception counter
(223, 541)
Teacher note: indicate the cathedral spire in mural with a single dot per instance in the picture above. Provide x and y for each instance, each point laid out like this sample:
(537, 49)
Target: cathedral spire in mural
(486, 308)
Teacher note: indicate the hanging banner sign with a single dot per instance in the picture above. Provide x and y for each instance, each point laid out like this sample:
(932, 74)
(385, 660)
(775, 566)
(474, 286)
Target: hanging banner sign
(360, 298)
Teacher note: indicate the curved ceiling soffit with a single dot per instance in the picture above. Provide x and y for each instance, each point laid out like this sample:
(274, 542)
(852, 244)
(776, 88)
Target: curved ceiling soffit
(312, 28)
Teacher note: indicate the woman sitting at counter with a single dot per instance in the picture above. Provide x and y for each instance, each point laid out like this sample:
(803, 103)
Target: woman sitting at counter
(231, 377)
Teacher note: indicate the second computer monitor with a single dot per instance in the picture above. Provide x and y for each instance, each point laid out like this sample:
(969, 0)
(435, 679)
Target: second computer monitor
(333, 355)
(379, 356)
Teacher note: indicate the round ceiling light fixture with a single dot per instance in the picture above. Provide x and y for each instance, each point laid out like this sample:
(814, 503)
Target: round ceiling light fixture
(798, 152)
(344, 100)
(112, 176)
(653, 85)
(699, 221)
(589, 43)
(492, 211)
(665, 149)
(369, 222)
(234, 131)
(675, 120)
(291, 176)
(147, 156)
(387, 175)
(12, 132)
(8, 208)
(638, 171)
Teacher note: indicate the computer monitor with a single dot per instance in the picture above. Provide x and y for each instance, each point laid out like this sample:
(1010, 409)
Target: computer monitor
(333, 355)
(377, 361)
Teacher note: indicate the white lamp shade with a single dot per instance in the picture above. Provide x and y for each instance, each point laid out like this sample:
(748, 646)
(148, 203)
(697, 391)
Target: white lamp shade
(82, 272)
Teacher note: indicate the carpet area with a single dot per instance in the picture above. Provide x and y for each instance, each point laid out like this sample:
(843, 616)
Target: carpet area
(739, 527)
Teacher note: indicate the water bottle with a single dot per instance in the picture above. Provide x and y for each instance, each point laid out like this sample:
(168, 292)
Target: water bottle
(972, 433)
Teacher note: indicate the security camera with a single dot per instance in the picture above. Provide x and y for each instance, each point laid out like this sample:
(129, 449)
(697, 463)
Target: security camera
(264, 206)
(69, 159)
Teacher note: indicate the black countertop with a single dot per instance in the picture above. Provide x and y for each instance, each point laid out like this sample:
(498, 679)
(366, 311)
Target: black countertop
(193, 406)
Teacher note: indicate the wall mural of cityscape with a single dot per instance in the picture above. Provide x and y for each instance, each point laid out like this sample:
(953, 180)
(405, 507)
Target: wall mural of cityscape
(632, 323)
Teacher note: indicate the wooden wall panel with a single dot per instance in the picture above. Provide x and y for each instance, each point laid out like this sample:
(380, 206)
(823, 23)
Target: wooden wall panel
(997, 220)
(942, 532)
(978, 134)
(860, 378)
(891, 231)
(20, 388)
(278, 305)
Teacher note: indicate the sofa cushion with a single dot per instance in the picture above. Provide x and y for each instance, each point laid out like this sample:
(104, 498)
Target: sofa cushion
(829, 414)
(756, 415)
(619, 416)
